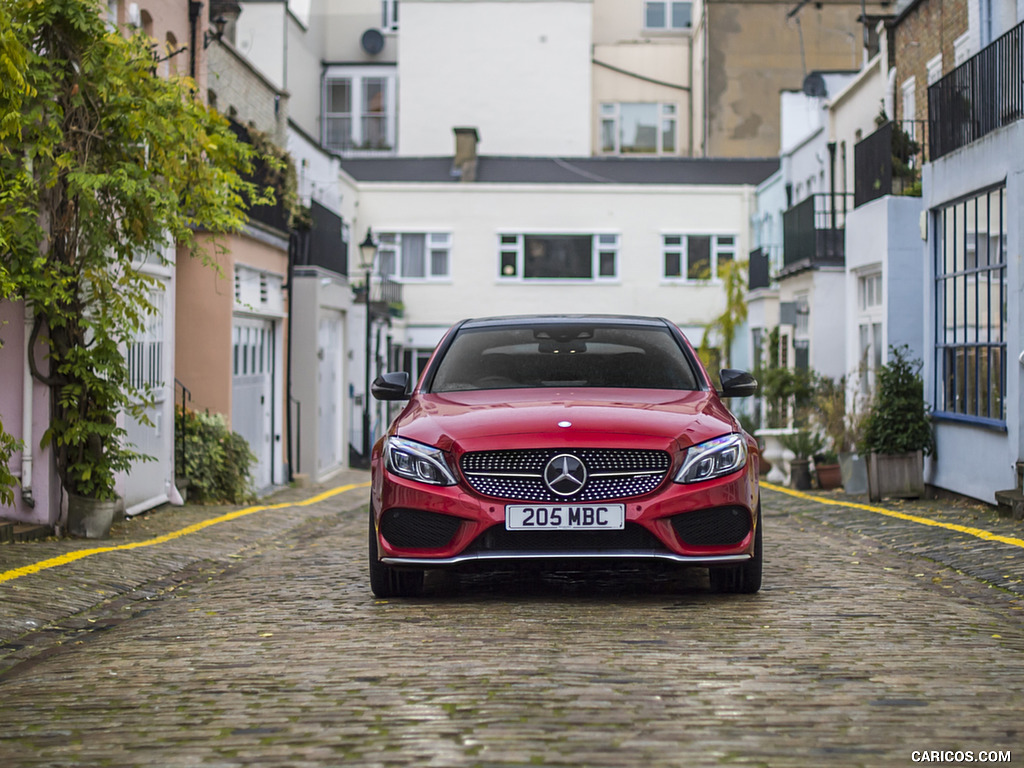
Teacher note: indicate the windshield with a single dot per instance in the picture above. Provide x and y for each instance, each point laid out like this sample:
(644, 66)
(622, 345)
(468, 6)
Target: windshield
(564, 355)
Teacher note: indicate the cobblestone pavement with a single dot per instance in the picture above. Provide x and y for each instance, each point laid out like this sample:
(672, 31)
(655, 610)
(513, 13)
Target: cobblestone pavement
(256, 641)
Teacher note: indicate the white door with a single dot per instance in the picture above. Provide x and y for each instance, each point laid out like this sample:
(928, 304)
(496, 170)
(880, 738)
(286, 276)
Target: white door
(252, 392)
(329, 449)
(146, 483)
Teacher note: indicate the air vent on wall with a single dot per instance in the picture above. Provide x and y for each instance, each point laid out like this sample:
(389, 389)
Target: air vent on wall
(372, 41)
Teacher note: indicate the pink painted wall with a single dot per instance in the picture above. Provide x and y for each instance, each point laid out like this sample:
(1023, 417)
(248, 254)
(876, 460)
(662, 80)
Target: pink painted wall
(45, 486)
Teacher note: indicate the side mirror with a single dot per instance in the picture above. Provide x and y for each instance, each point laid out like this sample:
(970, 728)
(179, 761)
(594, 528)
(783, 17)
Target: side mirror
(393, 385)
(737, 383)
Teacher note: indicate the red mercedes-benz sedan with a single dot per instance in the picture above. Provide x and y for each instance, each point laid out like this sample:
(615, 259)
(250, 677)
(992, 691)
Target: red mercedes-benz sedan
(560, 439)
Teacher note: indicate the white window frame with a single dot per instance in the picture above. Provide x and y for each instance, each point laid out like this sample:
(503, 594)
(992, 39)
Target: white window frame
(934, 68)
(908, 93)
(719, 248)
(390, 242)
(601, 243)
(389, 15)
(357, 75)
(869, 291)
(668, 115)
(666, 5)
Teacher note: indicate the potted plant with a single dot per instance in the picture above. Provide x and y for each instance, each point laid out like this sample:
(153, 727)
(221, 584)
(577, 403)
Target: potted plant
(804, 444)
(839, 428)
(897, 429)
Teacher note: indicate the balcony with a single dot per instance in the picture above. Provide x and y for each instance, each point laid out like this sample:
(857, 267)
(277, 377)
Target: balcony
(759, 270)
(813, 233)
(888, 162)
(984, 93)
(385, 297)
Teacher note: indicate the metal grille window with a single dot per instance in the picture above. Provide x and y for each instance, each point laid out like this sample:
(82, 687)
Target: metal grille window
(145, 354)
(539, 256)
(971, 308)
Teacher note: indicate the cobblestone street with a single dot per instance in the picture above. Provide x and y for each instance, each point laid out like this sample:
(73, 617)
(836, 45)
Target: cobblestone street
(260, 644)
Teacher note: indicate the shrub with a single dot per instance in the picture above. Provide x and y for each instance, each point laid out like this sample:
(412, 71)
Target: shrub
(217, 462)
(898, 420)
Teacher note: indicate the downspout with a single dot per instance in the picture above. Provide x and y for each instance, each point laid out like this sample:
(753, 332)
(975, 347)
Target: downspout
(26, 414)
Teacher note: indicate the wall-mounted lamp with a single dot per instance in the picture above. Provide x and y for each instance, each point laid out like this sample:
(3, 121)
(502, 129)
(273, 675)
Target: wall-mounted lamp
(222, 13)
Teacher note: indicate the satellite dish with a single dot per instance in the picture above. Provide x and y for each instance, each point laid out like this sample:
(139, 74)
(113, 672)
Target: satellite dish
(814, 86)
(372, 41)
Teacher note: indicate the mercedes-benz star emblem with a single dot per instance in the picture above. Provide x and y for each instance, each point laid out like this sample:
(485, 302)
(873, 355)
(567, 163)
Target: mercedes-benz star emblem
(565, 475)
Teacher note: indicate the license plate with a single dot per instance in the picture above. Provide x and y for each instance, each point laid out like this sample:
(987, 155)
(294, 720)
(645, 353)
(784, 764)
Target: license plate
(565, 517)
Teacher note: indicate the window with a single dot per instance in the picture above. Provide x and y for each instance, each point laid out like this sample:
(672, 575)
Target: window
(389, 14)
(415, 255)
(667, 14)
(697, 257)
(869, 291)
(909, 107)
(638, 128)
(359, 109)
(145, 353)
(558, 257)
(971, 308)
(934, 68)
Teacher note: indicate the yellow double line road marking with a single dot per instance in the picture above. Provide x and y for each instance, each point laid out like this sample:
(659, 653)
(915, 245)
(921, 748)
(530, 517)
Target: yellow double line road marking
(71, 557)
(978, 532)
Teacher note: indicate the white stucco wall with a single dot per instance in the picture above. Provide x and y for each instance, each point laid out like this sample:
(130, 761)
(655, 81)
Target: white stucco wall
(974, 460)
(260, 37)
(518, 72)
(476, 214)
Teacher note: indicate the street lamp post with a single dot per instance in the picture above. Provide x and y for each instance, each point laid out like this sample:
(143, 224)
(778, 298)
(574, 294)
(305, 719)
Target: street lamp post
(367, 254)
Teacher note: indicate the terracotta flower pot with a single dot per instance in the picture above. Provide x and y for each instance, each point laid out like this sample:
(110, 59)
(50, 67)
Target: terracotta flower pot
(829, 476)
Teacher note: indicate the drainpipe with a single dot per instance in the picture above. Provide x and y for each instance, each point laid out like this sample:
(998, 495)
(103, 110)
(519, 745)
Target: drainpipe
(26, 414)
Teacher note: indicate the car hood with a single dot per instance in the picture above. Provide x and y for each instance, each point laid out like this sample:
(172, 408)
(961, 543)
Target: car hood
(486, 420)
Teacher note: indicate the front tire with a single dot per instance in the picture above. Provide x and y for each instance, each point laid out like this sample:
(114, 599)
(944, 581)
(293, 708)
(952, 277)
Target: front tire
(386, 581)
(742, 579)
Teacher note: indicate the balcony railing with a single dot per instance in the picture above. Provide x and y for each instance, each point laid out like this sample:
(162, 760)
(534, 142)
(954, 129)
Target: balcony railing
(813, 232)
(984, 93)
(888, 162)
(759, 270)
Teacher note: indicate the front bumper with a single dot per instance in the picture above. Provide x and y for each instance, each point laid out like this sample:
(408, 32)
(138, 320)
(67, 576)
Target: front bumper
(704, 524)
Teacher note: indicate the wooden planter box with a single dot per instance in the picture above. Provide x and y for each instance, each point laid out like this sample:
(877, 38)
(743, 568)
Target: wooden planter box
(895, 475)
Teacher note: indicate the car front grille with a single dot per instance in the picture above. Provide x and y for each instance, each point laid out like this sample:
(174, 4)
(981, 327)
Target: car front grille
(633, 537)
(612, 473)
(719, 526)
(417, 528)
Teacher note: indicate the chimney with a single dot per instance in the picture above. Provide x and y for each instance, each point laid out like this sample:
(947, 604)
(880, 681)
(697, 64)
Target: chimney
(464, 164)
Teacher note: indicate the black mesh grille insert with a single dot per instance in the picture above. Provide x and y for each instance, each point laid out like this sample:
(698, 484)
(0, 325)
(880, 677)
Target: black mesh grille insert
(719, 526)
(632, 537)
(613, 473)
(417, 529)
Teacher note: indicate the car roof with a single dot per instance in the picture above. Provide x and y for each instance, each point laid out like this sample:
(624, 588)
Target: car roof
(507, 320)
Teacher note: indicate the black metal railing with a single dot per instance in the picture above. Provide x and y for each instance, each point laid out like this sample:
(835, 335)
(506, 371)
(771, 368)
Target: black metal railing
(759, 270)
(186, 398)
(888, 162)
(984, 93)
(274, 216)
(813, 232)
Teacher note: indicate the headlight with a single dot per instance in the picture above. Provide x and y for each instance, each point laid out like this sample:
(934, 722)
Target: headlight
(417, 461)
(715, 458)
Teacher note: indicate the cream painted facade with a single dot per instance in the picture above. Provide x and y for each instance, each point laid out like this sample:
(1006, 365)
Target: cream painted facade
(521, 76)
(476, 215)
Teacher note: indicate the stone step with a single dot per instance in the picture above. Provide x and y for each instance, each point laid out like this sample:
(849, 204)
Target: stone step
(1011, 503)
(11, 531)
